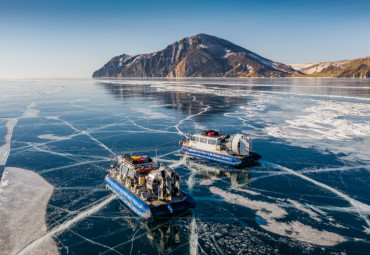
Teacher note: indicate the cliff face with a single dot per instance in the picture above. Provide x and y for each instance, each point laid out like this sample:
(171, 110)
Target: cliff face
(196, 56)
(356, 68)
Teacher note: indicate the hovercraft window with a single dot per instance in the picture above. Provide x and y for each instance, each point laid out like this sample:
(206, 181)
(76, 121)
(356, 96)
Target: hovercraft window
(195, 138)
(124, 169)
(211, 141)
(203, 140)
(131, 173)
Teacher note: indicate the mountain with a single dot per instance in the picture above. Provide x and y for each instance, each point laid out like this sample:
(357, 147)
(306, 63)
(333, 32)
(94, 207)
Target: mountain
(201, 55)
(356, 68)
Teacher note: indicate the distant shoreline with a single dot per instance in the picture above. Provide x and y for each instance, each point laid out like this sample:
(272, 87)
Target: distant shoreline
(179, 78)
(222, 78)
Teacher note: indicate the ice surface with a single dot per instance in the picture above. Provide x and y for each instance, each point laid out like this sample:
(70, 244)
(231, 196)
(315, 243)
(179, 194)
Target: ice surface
(23, 212)
(272, 214)
(326, 120)
(29, 112)
(65, 225)
(303, 208)
(193, 237)
(3, 183)
(308, 195)
(362, 209)
(150, 114)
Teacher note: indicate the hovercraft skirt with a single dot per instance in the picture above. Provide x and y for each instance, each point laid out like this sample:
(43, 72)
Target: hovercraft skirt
(130, 199)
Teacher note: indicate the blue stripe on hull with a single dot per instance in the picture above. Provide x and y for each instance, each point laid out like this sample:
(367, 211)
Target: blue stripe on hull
(141, 208)
(230, 160)
(127, 197)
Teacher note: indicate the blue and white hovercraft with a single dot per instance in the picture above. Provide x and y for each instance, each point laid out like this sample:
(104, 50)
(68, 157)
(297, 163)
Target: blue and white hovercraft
(147, 189)
(233, 150)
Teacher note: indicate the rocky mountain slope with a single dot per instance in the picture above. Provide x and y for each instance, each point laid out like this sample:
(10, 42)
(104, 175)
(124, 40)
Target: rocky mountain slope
(201, 55)
(356, 68)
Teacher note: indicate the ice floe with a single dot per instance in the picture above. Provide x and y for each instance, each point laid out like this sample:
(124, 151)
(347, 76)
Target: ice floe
(23, 213)
(30, 247)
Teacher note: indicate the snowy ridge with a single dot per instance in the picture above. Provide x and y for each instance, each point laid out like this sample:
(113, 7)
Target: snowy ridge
(261, 60)
(312, 68)
(299, 67)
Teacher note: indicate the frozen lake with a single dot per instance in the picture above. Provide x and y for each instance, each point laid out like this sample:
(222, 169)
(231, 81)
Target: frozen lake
(311, 193)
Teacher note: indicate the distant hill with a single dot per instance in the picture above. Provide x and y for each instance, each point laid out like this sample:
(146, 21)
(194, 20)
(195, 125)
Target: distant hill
(201, 55)
(356, 68)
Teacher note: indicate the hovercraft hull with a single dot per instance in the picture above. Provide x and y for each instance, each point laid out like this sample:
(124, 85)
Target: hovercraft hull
(222, 158)
(142, 209)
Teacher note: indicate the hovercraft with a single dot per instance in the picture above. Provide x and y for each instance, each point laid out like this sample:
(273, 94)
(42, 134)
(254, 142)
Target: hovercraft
(147, 189)
(233, 150)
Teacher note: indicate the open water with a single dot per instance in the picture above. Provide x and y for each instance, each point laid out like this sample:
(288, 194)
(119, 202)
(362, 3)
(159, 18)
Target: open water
(310, 195)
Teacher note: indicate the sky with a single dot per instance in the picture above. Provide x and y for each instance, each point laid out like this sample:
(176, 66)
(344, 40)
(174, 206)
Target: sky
(73, 38)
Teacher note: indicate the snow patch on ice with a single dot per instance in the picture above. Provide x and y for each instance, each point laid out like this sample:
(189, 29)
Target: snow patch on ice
(5, 149)
(255, 106)
(3, 183)
(53, 137)
(302, 208)
(193, 242)
(328, 121)
(206, 182)
(250, 192)
(29, 112)
(23, 213)
(67, 224)
(271, 213)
